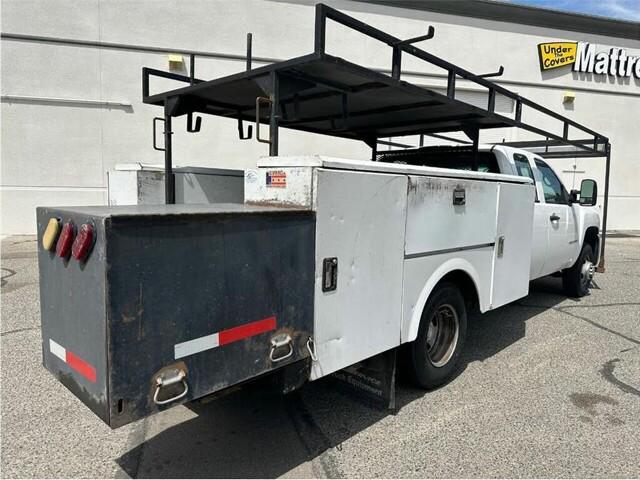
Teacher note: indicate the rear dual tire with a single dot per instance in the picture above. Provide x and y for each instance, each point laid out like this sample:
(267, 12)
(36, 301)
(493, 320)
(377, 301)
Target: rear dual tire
(433, 356)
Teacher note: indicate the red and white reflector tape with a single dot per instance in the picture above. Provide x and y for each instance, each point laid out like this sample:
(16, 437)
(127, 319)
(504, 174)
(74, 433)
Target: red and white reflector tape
(76, 363)
(224, 337)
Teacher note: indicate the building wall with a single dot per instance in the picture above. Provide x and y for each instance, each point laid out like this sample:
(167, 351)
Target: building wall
(70, 113)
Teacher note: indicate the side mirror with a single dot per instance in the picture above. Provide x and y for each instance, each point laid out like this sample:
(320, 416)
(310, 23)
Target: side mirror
(588, 192)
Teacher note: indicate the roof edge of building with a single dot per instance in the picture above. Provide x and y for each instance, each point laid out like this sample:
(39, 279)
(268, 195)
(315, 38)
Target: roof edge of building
(523, 14)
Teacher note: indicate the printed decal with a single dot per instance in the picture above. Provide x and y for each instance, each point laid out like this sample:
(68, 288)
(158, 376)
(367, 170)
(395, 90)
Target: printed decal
(277, 179)
(251, 176)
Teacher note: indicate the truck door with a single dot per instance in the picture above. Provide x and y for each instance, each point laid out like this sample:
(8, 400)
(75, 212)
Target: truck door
(554, 207)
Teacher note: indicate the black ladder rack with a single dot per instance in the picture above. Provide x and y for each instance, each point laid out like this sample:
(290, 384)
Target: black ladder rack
(325, 94)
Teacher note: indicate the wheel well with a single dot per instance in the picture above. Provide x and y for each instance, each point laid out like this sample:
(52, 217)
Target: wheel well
(591, 237)
(467, 287)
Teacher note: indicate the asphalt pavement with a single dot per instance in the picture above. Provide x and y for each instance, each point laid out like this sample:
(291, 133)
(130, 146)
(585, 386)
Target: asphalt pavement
(548, 387)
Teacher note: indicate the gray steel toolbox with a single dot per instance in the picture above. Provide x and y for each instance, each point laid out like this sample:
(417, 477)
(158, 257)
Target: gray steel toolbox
(175, 302)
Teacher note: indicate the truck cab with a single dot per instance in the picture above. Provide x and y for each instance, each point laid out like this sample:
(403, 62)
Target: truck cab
(562, 223)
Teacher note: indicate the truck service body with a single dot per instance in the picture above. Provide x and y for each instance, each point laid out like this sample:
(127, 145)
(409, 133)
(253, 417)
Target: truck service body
(328, 262)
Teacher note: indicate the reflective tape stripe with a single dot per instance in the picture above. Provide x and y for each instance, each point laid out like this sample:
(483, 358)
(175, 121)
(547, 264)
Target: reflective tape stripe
(82, 367)
(196, 345)
(224, 337)
(248, 330)
(76, 363)
(58, 350)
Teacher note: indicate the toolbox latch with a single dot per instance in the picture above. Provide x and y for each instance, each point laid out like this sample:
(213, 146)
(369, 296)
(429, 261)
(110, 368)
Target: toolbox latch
(329, 274)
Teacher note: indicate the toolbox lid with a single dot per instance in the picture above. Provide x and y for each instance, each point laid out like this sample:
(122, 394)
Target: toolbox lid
(113, 211)
(320, 161)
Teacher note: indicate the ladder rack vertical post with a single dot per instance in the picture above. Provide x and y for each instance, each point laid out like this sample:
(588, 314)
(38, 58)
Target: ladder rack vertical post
(274, 118)
(249, 48)
(321, 28)
(396, 63)
(451, 84)
(169, 181)
(605, 208)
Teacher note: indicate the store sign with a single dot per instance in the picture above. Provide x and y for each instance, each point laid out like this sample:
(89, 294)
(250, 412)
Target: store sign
(583, 57)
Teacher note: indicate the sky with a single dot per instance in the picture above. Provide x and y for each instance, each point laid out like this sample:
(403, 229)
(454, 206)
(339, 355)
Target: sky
(621, 9)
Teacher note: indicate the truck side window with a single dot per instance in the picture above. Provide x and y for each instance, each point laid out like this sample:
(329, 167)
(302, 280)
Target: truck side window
(554, 191)
(524, 169)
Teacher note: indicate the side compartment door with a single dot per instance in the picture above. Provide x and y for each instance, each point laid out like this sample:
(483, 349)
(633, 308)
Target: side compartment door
(540, 242)
(512, 253)
(360, 222)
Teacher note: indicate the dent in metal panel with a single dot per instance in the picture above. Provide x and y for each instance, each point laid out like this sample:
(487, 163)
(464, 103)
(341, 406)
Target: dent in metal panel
(361, 221)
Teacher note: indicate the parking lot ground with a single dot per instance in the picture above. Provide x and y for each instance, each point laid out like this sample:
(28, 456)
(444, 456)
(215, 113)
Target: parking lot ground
(548, 387)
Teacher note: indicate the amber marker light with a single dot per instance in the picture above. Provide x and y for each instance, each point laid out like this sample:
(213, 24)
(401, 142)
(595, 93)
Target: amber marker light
(51, 234)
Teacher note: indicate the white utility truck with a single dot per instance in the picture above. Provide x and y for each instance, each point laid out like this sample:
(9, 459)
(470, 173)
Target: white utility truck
(403, 252)
(329, 266)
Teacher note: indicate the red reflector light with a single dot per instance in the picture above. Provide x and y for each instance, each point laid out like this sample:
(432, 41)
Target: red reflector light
(65, 240)
(83, 242)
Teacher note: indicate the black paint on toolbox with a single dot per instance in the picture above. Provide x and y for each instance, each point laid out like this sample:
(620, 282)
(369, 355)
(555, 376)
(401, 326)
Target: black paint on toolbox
(166, 274)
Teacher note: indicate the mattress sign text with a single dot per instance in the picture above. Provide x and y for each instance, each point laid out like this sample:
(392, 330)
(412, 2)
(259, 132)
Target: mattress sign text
(584, 57)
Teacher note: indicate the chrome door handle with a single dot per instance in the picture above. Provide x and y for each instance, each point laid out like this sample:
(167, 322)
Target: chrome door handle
(554, 217)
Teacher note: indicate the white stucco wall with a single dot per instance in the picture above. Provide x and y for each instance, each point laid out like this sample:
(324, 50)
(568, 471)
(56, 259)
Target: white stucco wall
(58, 152)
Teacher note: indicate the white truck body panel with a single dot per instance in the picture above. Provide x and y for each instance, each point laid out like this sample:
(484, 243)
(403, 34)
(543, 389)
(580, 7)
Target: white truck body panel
(422, 274)
(360, 219)
(515, 227)
(396, 233)
(434, 223)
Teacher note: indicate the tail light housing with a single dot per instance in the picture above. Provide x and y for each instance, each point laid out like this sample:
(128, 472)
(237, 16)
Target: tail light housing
(65, 240)
(51, 234)
(83, 243)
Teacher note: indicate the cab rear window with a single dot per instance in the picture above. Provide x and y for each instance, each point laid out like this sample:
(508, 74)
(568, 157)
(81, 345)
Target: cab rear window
(523, 167)
(457, 159)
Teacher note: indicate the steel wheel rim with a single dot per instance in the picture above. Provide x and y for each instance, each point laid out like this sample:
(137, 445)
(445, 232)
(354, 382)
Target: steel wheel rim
(586, 272)
(442, 335)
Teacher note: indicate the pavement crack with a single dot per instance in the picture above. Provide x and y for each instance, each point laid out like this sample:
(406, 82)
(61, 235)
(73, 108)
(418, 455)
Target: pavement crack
(616, 304)
(3, 279)
(18, 330)
(585, 319)
(607, 373)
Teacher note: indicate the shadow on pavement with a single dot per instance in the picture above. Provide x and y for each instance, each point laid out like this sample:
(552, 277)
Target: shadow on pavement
(253, 434)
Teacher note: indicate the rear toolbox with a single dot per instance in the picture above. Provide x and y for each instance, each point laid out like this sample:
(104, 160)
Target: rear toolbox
(174, 302)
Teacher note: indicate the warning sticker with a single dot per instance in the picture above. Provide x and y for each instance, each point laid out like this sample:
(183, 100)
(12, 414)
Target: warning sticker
(277, 178)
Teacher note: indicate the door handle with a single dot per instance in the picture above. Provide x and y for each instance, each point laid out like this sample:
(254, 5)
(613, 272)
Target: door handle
(554, 217)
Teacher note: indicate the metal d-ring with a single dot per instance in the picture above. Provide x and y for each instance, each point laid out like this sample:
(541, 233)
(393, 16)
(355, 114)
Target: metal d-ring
(280, 341)
(311, 347)
(176, 377)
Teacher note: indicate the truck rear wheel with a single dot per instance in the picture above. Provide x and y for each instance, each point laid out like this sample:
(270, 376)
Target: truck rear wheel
(577, 279)
(434, 354)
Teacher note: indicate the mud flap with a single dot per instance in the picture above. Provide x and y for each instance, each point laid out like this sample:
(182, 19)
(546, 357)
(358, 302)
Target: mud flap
(372, 381)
